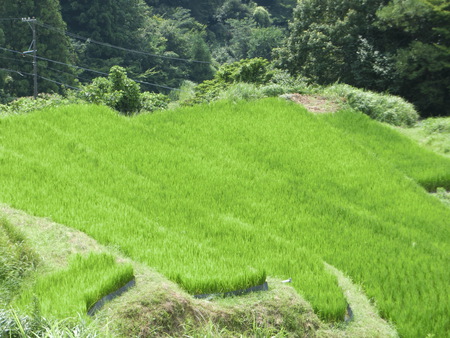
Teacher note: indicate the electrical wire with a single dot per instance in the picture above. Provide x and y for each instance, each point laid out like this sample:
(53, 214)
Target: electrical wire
(16, 71)
(67, 73)
(60, 83)
(87, 69)
(105, 74)
(12, 59)
(41, 77)
(10, 19)
(89, 40)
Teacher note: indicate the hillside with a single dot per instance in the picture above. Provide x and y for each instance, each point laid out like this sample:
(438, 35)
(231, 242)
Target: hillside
(218, 197)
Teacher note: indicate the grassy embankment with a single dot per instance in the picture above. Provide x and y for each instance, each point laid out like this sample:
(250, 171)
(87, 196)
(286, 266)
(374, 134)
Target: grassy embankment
(157, 307)
(63, 293)
(217, 196)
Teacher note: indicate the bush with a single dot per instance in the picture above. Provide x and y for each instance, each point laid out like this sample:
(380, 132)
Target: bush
(381, 107)
(248, 70)
(117, 91)
(272, 90)
(241, 91)
(153, 101)
(437, 125)
(28, 104)
(122, 94)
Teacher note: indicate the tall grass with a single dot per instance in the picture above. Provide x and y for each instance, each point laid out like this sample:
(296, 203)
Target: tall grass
(17, 261)
(216, 196)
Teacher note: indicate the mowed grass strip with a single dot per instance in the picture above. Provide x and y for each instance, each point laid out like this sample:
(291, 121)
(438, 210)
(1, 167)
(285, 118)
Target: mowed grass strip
(217, 196)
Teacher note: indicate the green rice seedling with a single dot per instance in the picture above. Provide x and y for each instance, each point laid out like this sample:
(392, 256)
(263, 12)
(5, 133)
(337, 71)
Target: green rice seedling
(428, 169)
(216, 196)
(76, 289)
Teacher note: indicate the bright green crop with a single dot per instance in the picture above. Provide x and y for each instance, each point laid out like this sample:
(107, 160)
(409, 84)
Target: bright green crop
(217, 196)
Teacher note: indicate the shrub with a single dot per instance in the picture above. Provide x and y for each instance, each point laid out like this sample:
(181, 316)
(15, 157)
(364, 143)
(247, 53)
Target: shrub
(248, 70)
(28, 104)
(153, 101)
(289, 83)
(273, 90)
(381, 107)
(254, 71)
(241, 91)
(437, 125)
(126, 95)
(117, 91)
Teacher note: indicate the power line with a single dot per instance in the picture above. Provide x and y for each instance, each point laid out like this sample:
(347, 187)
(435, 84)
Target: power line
(10, 19)
(89, 70)
(67, 73)
(60, 83)
(12, 59)
(89, 40)
(42, 77)
(106, 74)
(15, 71)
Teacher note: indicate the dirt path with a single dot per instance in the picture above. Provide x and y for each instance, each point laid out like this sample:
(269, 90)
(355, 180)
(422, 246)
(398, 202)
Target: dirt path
(314, 103)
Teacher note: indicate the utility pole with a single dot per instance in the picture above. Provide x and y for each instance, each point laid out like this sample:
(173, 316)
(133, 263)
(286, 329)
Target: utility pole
(32, 49)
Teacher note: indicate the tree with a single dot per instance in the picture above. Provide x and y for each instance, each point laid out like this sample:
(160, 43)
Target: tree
(328, 37)
(419, 40)
(179, 38)
(51, 44)
(116, 91)
(399, 46)
(202, 10)
(114, 22)
(281, 10)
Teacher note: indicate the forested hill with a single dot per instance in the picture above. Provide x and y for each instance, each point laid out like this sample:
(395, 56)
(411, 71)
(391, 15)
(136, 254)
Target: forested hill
(396, 46)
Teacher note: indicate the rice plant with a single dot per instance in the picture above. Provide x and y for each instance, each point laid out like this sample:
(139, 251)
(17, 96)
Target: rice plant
(75, 290)
(217, 196)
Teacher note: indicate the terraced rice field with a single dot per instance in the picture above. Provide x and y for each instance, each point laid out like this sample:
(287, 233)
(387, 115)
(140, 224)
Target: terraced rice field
(217, 197)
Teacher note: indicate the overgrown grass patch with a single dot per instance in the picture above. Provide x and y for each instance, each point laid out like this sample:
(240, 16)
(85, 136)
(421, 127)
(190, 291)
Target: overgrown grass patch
(432, 133)
(17, 261)
(381, 107)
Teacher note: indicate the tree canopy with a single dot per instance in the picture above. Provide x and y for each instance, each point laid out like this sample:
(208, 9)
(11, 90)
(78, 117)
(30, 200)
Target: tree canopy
(400, 46)
(396, 46)
(16, 36)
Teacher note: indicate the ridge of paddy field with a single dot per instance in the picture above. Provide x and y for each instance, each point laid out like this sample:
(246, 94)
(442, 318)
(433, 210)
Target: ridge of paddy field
(218, 196)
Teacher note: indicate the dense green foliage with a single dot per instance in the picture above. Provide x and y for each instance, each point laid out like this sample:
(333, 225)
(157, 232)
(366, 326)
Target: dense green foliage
(417, 34)
(396, 46)
(217, 196)
(122, 94)
(381, 107)
(249, 71)
(17, 35)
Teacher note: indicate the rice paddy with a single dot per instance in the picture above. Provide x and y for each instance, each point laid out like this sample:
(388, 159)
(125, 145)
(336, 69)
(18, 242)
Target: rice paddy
(72, 291)
(216, 197)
